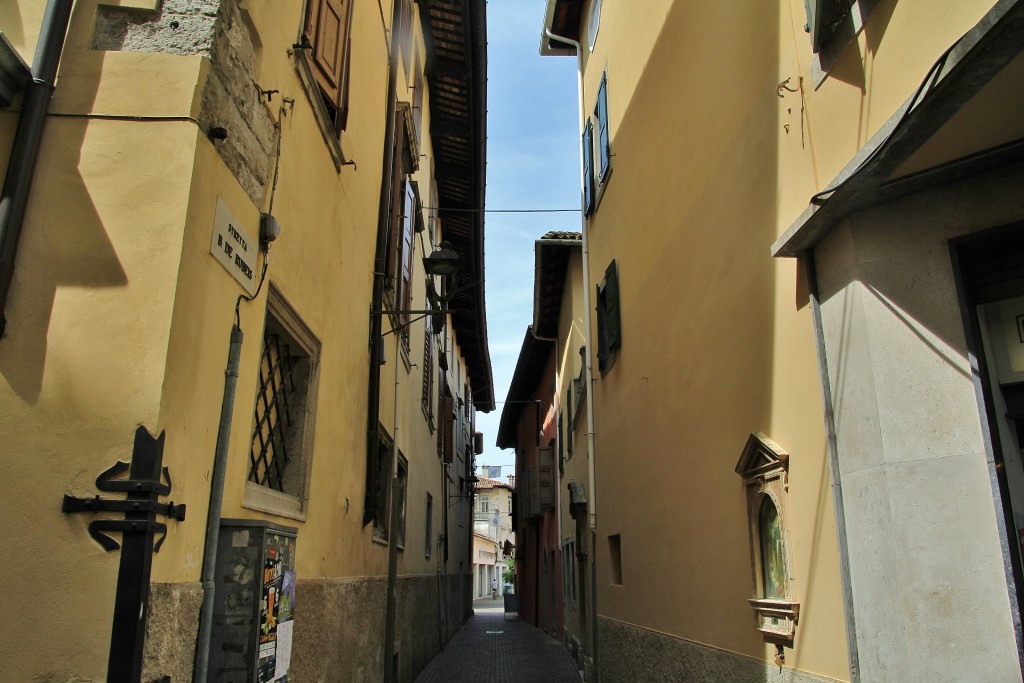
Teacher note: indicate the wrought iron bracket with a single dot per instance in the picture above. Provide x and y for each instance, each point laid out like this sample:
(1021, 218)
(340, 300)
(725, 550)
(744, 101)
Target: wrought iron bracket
(140, 506)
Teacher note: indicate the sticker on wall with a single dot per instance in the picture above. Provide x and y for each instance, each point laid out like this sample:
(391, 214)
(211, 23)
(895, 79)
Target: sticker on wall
(234, 248)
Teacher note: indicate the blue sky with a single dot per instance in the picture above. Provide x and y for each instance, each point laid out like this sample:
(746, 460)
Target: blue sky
(532, 163)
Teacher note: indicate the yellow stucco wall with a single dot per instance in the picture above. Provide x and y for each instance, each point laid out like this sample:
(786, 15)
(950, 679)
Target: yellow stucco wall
(119, 316)
(710, 165)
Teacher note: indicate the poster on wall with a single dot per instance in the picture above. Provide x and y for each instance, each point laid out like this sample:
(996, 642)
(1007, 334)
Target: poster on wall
(276, 609)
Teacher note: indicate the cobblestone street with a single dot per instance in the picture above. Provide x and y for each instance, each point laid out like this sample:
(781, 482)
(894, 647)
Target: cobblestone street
(493, 648)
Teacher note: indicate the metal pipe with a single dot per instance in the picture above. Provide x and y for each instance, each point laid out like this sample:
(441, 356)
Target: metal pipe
(587, 333)
(25, 150)
(588, 364)
(379, 260)
(396, 490)
(227, 408)
(833, 465)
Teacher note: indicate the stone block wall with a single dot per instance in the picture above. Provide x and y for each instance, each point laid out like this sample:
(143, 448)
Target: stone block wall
(231, 96)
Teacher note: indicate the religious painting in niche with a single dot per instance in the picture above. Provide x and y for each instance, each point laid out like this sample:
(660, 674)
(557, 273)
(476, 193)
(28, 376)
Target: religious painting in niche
(764, 467)
(772, 562)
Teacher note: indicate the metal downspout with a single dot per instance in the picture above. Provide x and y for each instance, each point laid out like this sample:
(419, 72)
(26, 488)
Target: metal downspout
(379, 259)
(589, 340)
(833, 466)
(25, 151)
(588, 336)
(227, 408)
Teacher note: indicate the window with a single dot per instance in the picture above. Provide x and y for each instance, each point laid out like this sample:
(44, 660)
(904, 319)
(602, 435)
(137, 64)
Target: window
(326, 35)
(404, 220)
(609, 327)
(403, 486)
(604, 147)
(615, 560)
(429, 540)
(594, 25)
(588, 168)
(382, 481)
(764, 468)
(283, 419)
(485, 503)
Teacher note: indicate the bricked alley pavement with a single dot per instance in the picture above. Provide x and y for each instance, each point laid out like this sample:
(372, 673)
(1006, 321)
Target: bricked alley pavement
(490, 648)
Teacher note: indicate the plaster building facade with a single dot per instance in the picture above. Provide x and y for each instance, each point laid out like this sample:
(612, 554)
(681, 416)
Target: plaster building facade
(808, 462)
(214, 267)
(493, 538)
(529, 425)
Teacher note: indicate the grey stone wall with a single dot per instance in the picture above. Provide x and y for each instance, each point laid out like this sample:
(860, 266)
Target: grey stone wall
(231, 99)
(171, 630)
(929, 588)
(630, 653)
(339, 627)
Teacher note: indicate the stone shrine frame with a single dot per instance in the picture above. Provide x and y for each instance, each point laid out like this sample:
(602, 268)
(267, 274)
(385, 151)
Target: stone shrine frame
(763, 466)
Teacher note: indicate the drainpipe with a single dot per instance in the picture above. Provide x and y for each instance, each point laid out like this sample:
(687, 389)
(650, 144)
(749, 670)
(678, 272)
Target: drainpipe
(588, 336)
(25, 151)
(833, 465)
(589, 366)
(396, 493)
(380, 257)
(227, 408)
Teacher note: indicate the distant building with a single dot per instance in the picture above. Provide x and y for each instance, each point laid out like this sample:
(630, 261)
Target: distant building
(493, 537)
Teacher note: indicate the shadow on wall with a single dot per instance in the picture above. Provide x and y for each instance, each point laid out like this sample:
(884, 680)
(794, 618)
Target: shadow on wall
(701, 373)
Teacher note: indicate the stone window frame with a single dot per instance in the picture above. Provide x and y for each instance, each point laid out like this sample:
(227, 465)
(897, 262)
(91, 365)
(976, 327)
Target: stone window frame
(263, 498)
(764, 467)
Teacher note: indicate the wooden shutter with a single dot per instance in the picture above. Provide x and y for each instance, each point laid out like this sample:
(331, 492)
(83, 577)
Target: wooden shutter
(604, 141)
(408, 220)
(391, 264)
(609, 329)
(327, 30)
(546, 477)
(611, 295)
(823, 18)
(588, 167)
(428, 370)
(448, 422)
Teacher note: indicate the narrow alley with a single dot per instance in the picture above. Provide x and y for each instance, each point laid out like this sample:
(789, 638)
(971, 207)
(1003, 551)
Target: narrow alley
(492, 647)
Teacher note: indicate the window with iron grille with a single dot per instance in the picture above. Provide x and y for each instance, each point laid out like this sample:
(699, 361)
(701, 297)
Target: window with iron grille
(282, 435)
(385, 448)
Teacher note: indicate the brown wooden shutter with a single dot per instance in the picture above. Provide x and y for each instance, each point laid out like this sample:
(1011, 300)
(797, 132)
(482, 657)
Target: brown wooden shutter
(408, 220)
(448, 420)
(546, 477)
(327, 30)
(391, 265)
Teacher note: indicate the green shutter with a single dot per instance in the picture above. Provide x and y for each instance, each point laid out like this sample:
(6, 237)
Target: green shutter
(588, 168)
(603, 138)
(611, 301)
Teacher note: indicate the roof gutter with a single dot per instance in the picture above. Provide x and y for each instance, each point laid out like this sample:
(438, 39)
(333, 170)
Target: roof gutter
(25, 151)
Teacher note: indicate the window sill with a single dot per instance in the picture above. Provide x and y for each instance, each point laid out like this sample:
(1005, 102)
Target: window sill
(263, 499)
(379, 538)
(776, 618)
(309, 85)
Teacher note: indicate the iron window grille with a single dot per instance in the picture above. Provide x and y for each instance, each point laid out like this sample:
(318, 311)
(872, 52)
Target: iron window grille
(268, 453)
(283, 414)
